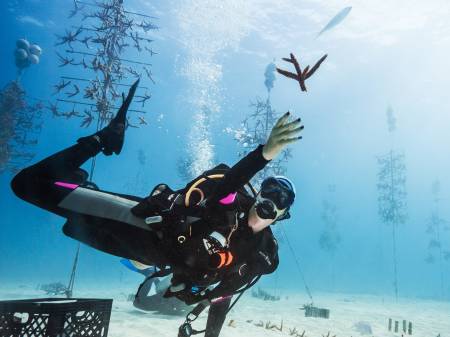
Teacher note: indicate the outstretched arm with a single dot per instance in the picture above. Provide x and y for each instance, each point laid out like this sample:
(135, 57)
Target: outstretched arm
(282, 134)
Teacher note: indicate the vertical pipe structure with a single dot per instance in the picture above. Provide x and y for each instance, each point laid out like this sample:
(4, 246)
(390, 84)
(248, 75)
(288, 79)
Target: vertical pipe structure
(441, 260)
(438, 222)
(393, 223)
(434, 229)
(329, 239)
(392, 194)
(69, 291)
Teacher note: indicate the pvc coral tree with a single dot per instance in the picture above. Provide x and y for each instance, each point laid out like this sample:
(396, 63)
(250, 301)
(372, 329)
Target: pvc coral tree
(330, 238)
(392, 207)
(436, 228)
(256, 127)
(20, 120)
(96, 50)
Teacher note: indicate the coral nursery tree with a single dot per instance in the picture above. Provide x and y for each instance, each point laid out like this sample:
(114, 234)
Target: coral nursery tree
(392, 207)
(95, 51)
(255, 130)
(20, 120)
(438, 252)
(139, 184)
(20, 125)
(330, 238)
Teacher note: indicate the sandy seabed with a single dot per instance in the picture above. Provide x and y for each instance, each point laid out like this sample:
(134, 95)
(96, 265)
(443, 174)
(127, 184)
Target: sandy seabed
(350, 315)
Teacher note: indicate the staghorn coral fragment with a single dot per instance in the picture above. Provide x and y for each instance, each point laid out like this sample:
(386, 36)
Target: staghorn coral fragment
(259, 324)
(280, 328)
(232, 323)
(293, 332)
(316, 66)
(301, 76)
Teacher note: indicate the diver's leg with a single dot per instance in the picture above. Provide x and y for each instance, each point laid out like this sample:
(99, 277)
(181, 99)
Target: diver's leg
(216, 317)
(52, 182)
(40, 183)
(45, 183)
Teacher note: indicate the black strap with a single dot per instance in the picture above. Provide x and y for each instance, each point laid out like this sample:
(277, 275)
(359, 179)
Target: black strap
(202, 306)
(194, 211)
(199, 309)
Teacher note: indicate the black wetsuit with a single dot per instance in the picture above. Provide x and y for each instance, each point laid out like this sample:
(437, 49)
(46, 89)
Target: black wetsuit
(43, 184)
(59, 185)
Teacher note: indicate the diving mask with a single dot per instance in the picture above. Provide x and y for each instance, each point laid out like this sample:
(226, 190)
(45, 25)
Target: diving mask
(275, 198)
(266, 209)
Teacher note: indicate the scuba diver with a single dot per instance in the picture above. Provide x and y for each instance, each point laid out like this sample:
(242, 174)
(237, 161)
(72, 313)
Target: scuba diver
(212, 236)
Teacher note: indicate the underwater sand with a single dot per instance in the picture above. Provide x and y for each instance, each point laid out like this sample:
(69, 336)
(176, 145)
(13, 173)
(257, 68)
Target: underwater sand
(429, 318)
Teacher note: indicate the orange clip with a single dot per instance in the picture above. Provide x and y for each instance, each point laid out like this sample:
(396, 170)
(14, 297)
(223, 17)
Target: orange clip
(223, 259)
(229, 259)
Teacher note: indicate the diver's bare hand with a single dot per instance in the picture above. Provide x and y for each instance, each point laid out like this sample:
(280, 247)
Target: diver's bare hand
(282, 134)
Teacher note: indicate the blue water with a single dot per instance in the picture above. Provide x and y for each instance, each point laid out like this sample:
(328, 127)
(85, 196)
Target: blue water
(214, 54)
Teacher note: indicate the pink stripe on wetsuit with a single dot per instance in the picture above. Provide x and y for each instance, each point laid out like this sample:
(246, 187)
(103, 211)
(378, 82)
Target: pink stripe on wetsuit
(229, 199)
(66, 185)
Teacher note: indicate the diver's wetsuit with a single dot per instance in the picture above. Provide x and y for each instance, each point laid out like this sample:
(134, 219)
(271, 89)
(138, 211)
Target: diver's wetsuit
(49, 182)
(102, 220)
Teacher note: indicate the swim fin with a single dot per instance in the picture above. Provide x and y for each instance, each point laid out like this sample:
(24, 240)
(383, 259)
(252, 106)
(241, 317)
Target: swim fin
(138, 267)
(111, 138)
(113, 135)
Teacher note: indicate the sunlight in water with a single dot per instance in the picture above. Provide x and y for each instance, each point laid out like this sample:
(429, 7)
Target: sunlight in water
(218, 26)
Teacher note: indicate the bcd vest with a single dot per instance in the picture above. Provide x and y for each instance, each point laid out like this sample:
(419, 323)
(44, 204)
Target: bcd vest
(181, 214)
